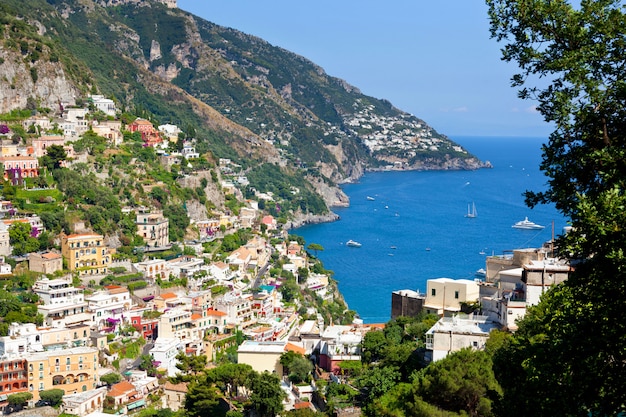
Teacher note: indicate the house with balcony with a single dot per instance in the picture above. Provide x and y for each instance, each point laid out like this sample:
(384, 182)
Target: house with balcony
(512, 290)
(238, 309)
(72, 370)
(62, 303)
(339, 343)
(110, 308)
(153, 269)
(164, 354)
(17, 168)
(86, 253)
(153, 228)
(13, 378)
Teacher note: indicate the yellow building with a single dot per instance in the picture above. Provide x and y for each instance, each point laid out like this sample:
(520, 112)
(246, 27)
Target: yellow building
(444, 296)
(86, 253)
(72, 370)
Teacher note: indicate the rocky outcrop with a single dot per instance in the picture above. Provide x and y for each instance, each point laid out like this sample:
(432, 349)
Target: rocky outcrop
(41, 83)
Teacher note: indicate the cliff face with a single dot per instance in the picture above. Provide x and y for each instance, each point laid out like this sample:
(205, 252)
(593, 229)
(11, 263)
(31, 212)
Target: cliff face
(26, 84)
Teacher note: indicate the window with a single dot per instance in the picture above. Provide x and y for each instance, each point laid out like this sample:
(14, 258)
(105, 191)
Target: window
(456, 295)
(433, 292)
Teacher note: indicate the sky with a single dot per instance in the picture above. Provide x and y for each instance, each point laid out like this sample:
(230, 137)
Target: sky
(433, 59)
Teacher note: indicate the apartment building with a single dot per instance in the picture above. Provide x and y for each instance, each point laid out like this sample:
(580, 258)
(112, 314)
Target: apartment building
(86, 253)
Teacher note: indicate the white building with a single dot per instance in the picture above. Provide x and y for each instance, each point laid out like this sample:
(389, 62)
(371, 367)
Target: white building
(164, 354)
(451, 334)
(110, 308)
(63, 304)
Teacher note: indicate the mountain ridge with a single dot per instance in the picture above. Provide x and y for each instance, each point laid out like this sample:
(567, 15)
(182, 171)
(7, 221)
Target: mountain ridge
(243, 97)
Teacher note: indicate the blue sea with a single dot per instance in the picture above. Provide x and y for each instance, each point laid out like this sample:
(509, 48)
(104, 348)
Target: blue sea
(412, 225)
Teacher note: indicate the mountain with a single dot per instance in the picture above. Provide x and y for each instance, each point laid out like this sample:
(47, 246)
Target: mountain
(239, 96)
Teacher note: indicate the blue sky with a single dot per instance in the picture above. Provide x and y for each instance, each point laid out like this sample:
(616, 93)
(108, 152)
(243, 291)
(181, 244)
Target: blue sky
(433, 59)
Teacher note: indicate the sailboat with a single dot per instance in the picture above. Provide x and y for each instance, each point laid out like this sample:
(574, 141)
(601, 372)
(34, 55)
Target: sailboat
(471, 213)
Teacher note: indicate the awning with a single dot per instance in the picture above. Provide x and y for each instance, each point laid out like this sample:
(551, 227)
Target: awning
(136, 404)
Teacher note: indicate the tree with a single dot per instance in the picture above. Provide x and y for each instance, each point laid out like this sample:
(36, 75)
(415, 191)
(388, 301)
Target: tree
(202, 398)
(21, 239)
(574, 339)
(462, 381)
(19, 400)
(316, 247)
(52, 396)
(111, 378)
(55, 154)
(267, 396)
(189, 366)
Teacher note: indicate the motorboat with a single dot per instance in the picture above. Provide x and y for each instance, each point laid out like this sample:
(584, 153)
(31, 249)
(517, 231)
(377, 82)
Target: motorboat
(353, 243)
(527, 224)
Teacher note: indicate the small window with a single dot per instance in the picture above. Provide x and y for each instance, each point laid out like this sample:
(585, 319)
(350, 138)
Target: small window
(433, 292)
(456, 294)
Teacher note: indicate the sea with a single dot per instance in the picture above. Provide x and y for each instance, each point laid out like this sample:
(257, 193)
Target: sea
(413, 225)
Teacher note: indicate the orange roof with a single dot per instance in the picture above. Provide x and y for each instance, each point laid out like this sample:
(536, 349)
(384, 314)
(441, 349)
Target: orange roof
(121, 388)
(301, 405)
(168, 296)
(181, 387)
(196, 316)
(290, 347)
(51, 255)
(82, 235)
(212, 312)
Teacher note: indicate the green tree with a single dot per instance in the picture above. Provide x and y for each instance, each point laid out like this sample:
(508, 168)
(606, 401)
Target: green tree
(574, 339)
(189, 366)
(267, 396)
(462, 381)
(52, 396)
(111, 378)
(202, 398)
(230, 376)
(315, 247)
(55, 154)
(21, 239)
(19, 400)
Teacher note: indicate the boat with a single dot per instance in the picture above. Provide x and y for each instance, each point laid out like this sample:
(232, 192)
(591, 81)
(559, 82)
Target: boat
(481, 272)
(471, 213)
(370, 198)
(353, 244)
(527, 224)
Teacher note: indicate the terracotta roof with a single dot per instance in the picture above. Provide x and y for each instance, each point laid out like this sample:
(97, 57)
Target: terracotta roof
(290, 347)
(83, 235)
(180, 387)
(301, 405)
(196, 316)
(213, 312)
(121, 388)
(51, 255)
(168, 296)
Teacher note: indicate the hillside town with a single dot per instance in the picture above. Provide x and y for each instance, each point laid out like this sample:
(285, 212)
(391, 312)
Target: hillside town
(93, 303)
(100, 313)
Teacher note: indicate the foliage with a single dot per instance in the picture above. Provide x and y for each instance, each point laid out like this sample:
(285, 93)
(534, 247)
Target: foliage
(189, 366)
(52, 396)
(574, 339)
(111, 378)
(21, 239)
(267, 396)
(202, 398)
(462, 381)
(297, 367)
